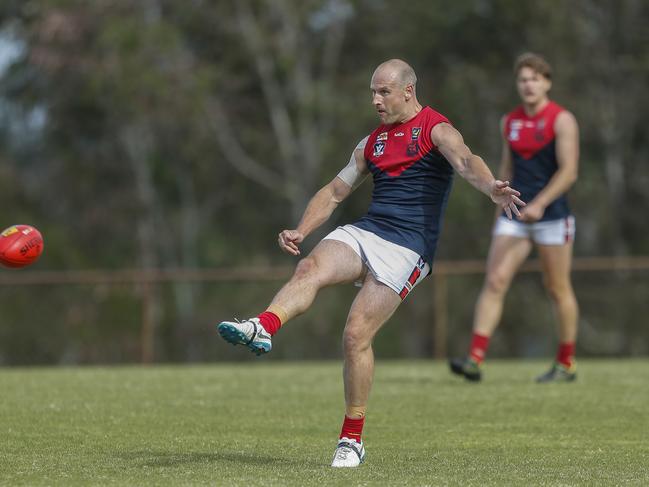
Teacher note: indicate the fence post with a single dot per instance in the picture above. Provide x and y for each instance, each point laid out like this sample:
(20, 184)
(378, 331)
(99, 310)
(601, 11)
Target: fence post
(440, 311)
(148, 323)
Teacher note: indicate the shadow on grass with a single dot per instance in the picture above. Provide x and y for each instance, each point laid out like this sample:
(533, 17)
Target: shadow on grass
(171, 459)
(403, 380)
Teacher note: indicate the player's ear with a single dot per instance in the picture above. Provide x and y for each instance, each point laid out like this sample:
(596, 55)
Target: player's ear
(548, 83)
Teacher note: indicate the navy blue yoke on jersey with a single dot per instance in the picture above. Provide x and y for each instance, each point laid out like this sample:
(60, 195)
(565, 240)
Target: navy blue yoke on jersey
(532, 143)
(412, 181)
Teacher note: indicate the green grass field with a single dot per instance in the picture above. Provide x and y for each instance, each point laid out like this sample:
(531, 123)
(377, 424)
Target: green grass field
(277, 424)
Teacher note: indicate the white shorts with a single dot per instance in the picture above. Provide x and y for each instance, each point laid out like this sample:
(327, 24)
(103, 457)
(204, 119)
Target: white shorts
(551, 232)
(397, 267)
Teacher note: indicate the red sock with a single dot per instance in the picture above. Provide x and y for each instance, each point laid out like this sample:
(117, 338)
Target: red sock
(479, 345)
(352, 428)
(566, 354)
(270, 321)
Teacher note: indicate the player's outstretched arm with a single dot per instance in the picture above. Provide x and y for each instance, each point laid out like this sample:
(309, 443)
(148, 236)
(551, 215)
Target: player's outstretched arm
(472, 168)
(325, 201)
(505, 169)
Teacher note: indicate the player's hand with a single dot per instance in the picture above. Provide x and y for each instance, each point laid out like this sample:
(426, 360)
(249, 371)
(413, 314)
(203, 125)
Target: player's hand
(532, 213)
(506, 197)
(288, 241)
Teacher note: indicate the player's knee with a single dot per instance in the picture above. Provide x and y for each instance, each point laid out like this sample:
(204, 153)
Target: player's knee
(355, 337)
(496, 283)
(557, 290)
(305, 268)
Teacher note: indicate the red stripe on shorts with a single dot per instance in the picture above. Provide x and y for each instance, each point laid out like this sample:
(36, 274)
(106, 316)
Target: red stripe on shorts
(404, 292)
(414, 275)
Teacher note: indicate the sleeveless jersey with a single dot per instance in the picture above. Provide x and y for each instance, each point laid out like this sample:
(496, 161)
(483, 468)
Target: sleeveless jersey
(532, 144)
(412, 181)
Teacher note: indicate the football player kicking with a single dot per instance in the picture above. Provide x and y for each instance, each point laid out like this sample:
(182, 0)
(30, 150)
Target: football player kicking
(411, 156)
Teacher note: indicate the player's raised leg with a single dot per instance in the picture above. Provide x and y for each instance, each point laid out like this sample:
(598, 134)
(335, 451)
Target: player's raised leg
(330, 262)
(372, 307)
(506, 254)
(557, 262)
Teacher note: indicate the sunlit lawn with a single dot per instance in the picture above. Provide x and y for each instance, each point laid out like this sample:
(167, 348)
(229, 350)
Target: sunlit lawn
(276, 424)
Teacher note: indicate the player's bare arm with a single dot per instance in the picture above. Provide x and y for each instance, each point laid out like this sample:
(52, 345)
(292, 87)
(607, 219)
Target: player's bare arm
(567, 150)
(473, 168)
(505, 171)
(325, 201)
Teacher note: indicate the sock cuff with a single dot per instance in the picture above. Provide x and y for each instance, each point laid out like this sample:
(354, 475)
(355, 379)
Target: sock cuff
(566, 353)
(478, 348)
(352, 428)
(279, 312)
(355, 412)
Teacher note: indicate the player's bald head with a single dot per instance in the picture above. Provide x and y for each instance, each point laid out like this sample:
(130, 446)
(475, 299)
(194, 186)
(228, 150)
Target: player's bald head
(396, 71)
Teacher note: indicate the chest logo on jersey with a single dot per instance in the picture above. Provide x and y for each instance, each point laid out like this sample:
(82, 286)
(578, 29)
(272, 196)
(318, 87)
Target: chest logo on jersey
(515, 130)
(413, 146)
(379, 147)
(382, 136)
(537, 128)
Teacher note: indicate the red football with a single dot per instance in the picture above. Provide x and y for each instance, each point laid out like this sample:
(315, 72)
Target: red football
(20, 245)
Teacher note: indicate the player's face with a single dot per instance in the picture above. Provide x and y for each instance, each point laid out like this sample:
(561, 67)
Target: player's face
(532, 87)
(388, 98)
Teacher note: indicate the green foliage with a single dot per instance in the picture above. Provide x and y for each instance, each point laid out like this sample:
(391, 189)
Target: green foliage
(164, 134)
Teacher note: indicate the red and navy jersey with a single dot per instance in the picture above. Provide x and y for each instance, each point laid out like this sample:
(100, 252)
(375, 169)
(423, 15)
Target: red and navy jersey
(412, 181)
(532, 144)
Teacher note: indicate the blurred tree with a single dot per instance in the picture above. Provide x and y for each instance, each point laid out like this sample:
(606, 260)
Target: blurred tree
(162, 133)
(294, 50)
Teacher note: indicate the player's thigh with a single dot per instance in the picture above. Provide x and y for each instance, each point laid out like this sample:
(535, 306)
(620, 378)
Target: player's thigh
(556, 262)
(373, 306)
(506, 255)
(334, 262)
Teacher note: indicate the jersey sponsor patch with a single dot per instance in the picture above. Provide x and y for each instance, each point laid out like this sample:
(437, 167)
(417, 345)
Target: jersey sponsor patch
(413, 147)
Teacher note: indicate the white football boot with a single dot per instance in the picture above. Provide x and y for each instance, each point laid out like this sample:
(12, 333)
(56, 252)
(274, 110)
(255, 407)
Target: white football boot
(349, 453)
(249, 333)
